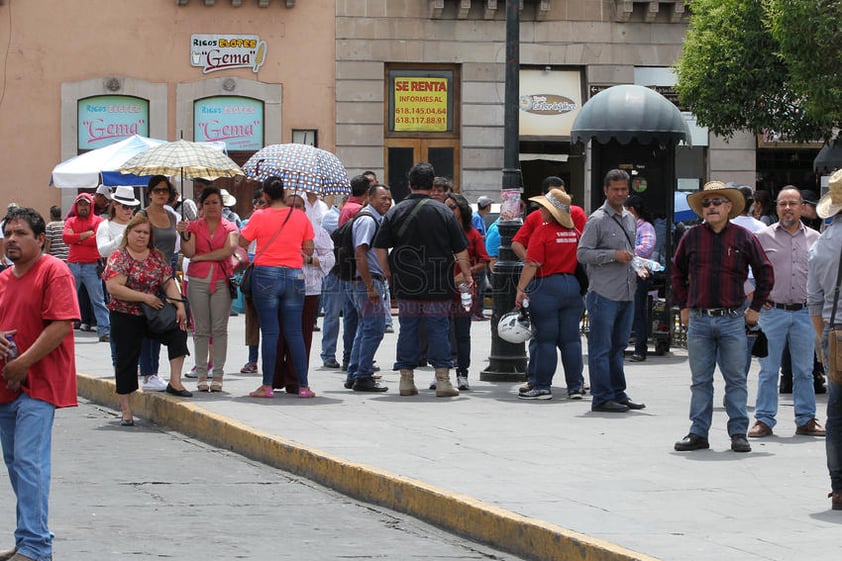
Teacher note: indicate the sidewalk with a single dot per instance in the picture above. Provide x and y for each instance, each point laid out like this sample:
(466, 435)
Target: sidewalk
(515, 474)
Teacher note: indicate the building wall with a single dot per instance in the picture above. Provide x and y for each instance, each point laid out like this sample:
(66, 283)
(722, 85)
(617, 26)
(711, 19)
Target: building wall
(58, 50)
(572, 34)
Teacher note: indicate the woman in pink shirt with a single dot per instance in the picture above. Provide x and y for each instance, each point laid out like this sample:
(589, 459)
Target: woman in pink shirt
(208, 243)
(284, 237)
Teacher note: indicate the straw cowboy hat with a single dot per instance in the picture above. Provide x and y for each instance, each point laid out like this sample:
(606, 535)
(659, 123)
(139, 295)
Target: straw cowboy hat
(831, 204)
(717, 188)
(558, 203)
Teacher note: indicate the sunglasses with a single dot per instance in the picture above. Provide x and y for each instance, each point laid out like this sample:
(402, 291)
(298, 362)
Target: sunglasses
(160, 190)
(451, 207)
(715, 202)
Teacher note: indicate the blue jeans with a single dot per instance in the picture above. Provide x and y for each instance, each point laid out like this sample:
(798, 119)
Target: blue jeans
(26, 429)
(349, 320)
(280, 290)
(332, 302)
(556, 308)
(780, 327)
(371, 325)
(85, 273)
(641, 317)
(436, 315)
(722, 340)
(833, 426)
(610, 325)
(150, 357)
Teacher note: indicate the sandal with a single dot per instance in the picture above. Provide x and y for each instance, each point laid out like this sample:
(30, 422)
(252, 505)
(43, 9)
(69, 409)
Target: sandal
(263, 391)
(305, 393)
(216, 386)
(202, 386)
(249, 368)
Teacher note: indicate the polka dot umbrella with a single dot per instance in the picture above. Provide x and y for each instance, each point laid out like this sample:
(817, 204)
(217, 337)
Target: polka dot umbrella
(301, 167)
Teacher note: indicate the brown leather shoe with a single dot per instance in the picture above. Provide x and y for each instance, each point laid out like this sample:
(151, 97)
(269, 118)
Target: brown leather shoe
(835, 500)
(7, 554)
(810, 428)
(759, 430)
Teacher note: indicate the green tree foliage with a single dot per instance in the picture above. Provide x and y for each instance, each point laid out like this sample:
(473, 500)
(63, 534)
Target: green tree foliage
(732, 74)
(808, 34)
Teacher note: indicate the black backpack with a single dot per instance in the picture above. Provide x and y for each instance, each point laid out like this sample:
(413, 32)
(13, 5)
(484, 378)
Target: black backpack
(343, 247)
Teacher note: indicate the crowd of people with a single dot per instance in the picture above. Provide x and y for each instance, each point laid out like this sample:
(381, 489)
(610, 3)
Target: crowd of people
(729, 275)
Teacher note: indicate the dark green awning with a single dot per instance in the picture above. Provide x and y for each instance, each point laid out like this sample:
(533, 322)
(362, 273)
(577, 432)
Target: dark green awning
(627, 113)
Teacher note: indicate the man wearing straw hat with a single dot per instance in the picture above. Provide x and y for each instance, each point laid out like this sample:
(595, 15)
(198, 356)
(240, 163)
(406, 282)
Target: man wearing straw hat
(709, 270)
(822, 272)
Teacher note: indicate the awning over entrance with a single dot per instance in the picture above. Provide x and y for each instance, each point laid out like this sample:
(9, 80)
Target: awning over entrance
(829, 158)
(627, 113)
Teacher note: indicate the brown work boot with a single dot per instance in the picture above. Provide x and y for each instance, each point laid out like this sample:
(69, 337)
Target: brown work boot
(443, 386)
(759, 430)
(7, 554)
(810, 428)
(835, 500)
(407, 385)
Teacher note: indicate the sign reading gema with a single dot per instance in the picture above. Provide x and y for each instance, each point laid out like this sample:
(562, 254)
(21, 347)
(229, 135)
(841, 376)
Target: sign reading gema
(420, 104)
(105, 119)
(220, 52)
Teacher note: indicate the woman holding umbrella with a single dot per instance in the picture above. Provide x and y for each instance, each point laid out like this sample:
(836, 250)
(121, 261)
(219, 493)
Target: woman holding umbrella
(284, 237)
(210, 241)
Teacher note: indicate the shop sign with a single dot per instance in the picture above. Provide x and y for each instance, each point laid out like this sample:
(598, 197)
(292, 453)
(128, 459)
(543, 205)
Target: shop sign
(236, 121)
(549, 101)
(221, 52)
(420, 104)
(103, 120)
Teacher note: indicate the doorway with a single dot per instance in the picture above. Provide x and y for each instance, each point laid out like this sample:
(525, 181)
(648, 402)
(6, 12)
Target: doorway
(403, 153)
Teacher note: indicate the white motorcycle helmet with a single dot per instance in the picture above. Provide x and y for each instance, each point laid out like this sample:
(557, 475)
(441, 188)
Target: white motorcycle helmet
(515, 328)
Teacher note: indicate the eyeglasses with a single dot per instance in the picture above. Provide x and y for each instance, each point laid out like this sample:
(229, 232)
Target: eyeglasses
(162, 190)
(787, 204)
(715, 202)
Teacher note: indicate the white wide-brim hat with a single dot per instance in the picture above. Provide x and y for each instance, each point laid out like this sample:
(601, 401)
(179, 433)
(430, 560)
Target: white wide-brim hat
(125, 196)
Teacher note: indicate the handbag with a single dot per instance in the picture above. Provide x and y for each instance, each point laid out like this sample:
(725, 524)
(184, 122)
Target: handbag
(582, 276)
(834, 337)
(238, 261)
(162, 320)
(245, 281)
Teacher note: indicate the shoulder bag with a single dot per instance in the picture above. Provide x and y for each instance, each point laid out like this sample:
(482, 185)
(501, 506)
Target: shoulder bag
(245, 282)
(834, 337)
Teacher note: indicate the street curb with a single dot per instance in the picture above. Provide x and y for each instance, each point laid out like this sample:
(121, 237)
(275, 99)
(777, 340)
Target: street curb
(457, 513)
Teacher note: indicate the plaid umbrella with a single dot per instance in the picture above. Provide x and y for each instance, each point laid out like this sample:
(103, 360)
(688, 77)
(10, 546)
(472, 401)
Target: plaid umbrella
(190, 159)
(301, 167)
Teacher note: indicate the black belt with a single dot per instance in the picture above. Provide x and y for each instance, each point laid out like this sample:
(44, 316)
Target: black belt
(717, 312)
(789, 307)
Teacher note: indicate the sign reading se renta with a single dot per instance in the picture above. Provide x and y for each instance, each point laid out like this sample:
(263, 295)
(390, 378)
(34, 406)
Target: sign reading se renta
(105, 119)
(420, 104)
(237, 121)
(221, 52)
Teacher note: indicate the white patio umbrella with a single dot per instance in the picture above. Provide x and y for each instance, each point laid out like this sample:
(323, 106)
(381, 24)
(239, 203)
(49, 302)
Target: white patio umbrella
(89, 169)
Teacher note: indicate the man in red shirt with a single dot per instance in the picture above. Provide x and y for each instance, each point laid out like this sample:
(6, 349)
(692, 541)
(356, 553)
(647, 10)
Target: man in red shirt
(37, 310)
(83, 257)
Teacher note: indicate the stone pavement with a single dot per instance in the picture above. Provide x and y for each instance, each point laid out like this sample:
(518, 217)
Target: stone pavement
(151, 493)
(541, 479)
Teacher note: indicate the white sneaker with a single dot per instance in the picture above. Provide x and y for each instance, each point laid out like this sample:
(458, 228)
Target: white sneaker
(462, 383)
(154, 384)
(192, 373)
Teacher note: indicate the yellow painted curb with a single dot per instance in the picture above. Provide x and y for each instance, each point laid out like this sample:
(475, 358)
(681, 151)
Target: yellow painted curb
(460, 514)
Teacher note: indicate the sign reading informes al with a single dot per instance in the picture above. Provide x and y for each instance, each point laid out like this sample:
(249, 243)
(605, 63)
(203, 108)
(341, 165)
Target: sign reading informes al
(237, 121)
(421, 104)
(220, 52)
(105, 119)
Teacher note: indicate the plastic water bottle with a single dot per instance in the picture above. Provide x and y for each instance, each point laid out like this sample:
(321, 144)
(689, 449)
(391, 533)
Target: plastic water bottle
(13, 352)
(465, 296)
(641, 266)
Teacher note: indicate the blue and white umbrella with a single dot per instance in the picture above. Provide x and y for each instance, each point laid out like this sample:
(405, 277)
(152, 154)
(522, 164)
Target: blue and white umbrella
(301, 167)
(88, 170)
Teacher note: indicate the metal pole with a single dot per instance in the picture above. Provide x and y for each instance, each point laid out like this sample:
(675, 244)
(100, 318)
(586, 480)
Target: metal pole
(507, 362)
